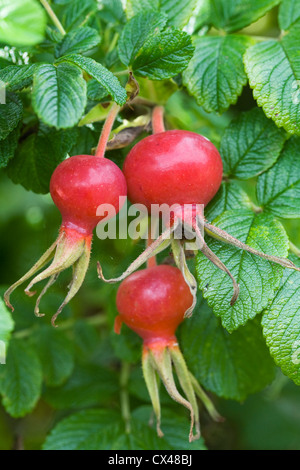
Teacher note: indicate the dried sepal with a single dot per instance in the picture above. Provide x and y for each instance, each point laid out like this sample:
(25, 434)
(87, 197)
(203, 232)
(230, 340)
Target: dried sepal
(159, 359)
(180, 261)
(160, 244)
(70, 249)
(223, 236)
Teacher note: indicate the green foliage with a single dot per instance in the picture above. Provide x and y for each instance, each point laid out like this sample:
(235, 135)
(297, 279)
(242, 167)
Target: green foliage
(236, 14)
(55, 351)
(17, 77)
(223, 74)
(215, 75)
(79, 40)
(59, 95)
(99, 73)
(7, 323)
(229, 365)
(289, 14)
(278, 189)
(178, 13)
(164, 55)
(99, 429)
(250, 145)
(135, 33)
(11, 114)
(258, 278)
(273, 68)
(38, 156)
(21, 379)
(281, 325)
(23, 22)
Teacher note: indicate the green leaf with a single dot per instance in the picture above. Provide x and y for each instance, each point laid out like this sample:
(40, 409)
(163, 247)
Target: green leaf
(289, 14)
(101, 74)
(278, 189)
(6, 327)
(164, 55)
(23, 22)
(258, 278)
(11, 114)
(87, 139)
(38, 156)
(55, 353)
(98, 429)
(230, 365)
(59, 95)
(174, 427)
(8, 147)
(236, 14)
(136, 32)
(133, 7)
(230, 196)
(95, 91)
(17, 77)
(215, 76)
(281, 324)
(21, 379)
(250, 144)
(88, 385)
(78, 40)
(273, 68)
(179, 13)
(127, 346)
(92, 429)
(76, 13)
(112, 11)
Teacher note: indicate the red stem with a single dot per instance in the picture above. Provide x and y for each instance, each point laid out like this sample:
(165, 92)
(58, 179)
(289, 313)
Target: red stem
(151, 262)
(106, 130)
(158, 120)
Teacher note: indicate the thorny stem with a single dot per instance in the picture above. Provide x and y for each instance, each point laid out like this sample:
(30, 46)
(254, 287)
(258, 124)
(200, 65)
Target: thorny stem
(158, 120)
(106, 130)
(53, 16)
(124, 398)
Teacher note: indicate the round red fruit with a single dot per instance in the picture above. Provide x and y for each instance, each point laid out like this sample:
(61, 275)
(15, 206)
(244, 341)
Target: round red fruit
(152, 302)
(173, 167)
(80, 184)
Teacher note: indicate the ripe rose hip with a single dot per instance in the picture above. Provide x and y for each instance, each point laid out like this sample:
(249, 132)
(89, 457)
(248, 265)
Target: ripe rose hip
(78, 186)
(152, 302)
(173, 167)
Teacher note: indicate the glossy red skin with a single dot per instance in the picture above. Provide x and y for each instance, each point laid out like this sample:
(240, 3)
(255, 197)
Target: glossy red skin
(173, 167)
(152, 302)
(80, 184)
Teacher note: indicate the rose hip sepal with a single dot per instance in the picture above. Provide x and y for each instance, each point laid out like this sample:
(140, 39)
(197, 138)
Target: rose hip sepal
(182, 170)
(78, 186)
(152, 302)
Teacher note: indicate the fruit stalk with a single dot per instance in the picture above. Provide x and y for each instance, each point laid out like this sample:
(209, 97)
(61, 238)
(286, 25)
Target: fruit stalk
(106, 130)
(53, 16)
(158, 120)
